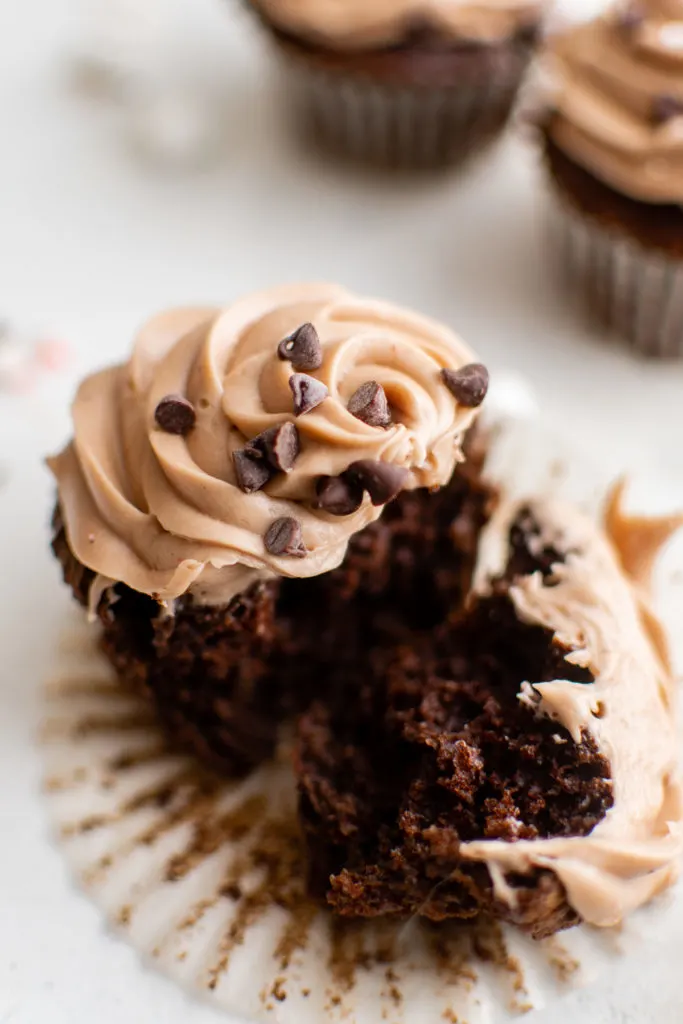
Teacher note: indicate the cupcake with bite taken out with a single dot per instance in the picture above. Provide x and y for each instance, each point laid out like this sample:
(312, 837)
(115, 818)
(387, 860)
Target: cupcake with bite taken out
(406, 83)
(212, 501)
(614, 151)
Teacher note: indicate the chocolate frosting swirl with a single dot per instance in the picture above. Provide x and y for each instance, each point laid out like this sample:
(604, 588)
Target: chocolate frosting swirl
(162, 512)
(365, 24)
(619, 99)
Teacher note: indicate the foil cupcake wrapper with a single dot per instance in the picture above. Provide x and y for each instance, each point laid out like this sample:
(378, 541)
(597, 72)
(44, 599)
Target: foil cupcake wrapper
(204, 876)
(635, 293)
(395, 125)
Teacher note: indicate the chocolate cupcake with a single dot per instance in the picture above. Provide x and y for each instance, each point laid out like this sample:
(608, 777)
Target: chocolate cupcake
(614, 151)
(214, 483)
(410, 83)
(522, 762)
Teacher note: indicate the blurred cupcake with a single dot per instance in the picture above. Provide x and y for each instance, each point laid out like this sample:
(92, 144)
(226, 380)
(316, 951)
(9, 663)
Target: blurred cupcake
(238, 450)
(614, 150)
(414, 83)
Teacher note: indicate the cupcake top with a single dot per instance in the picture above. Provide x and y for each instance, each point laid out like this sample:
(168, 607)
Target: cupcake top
(619, 100)
(367, 24)
(255, 441)
(595, 604)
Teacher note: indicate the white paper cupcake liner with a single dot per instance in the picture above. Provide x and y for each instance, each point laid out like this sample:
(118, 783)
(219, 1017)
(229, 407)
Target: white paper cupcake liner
(205, 876)
(394, 125)
(634, 292)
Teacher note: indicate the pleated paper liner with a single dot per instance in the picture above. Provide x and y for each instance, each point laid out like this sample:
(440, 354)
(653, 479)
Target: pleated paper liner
(634, 292)
(398, 126)
(204, 876)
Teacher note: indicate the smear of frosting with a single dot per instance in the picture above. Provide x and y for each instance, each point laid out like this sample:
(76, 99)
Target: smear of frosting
(596, 611)
(619, 99)
(163, 513)
(364, 24)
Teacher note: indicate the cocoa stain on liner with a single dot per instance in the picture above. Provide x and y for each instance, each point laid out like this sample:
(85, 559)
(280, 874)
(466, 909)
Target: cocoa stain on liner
(265, 870)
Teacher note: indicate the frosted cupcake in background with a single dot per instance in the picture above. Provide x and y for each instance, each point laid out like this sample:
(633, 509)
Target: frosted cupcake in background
(418, 83)
(614, 149)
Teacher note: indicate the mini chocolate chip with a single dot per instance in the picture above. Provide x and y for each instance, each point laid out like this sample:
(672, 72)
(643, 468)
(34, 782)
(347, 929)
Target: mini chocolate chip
(279, 445)
(665, 108)
(175, 415)
(251, 471)
(468, 385)
(302, 348)
(382, 480)
(630, 19)
(308, 393)
(369, 404)
(338, 495)
(284, 537)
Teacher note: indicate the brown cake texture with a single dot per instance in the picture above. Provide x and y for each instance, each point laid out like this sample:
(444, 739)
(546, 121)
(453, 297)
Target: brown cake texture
(436, 749)
(654, 226)
(224, 679)
(209, 670)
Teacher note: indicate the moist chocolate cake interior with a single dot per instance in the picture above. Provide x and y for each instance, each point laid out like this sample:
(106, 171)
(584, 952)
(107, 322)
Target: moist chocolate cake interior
(435, 749)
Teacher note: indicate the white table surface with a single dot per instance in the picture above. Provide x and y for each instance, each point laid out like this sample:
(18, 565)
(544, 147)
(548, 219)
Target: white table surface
(96, 235)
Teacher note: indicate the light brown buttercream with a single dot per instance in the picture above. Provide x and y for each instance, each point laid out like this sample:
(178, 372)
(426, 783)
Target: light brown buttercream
(603, 617)
(163, 514)
(610, 79)
(364, 24)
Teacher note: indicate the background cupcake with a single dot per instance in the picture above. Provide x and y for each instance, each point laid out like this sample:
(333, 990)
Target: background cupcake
(614, 149)
(235, 450)
(406, 82)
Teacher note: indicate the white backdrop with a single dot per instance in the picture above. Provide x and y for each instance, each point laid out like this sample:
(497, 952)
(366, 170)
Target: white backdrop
(98, 231)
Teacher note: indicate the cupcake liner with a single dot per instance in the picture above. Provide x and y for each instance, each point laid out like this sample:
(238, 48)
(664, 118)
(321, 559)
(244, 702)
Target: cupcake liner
(204, 876)
(398, 125)
(633, 291)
